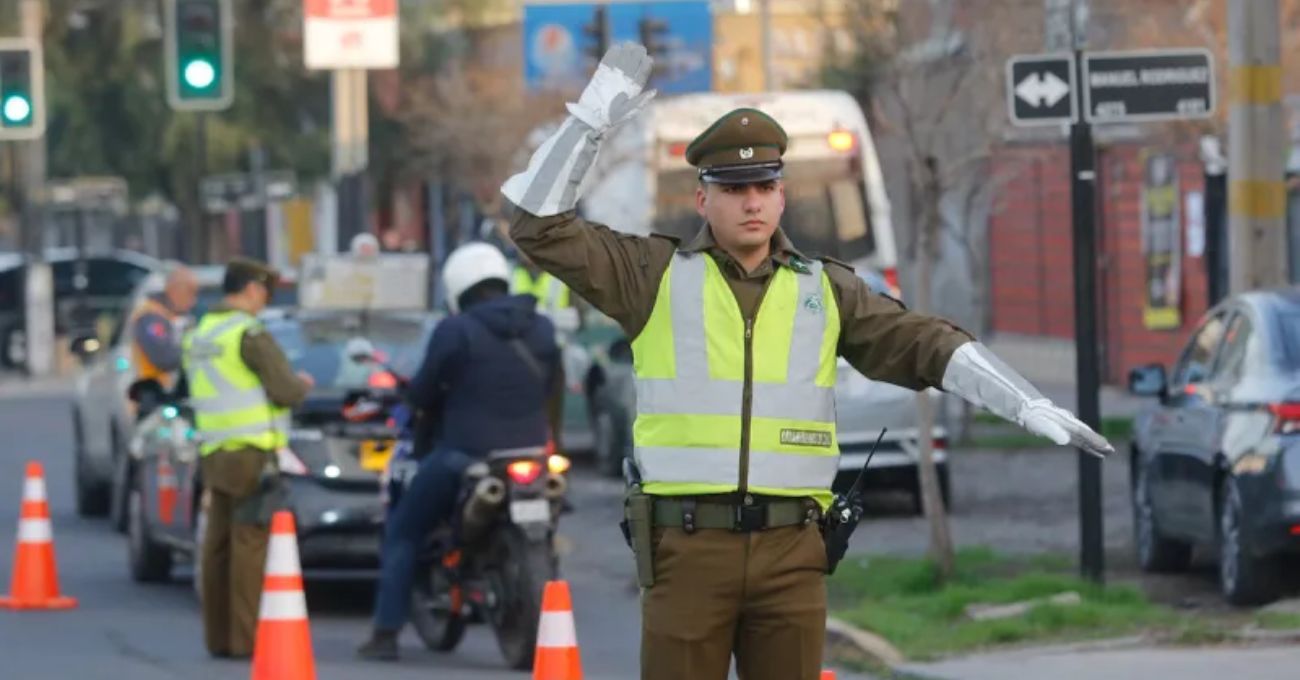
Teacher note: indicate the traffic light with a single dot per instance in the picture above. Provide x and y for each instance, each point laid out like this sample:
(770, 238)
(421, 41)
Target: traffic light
(652, 32)
(200, 60)
(22, 100)
(598, 31)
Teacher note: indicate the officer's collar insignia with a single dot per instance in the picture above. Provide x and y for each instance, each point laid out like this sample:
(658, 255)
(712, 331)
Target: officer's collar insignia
(799, 265)
(813, 303)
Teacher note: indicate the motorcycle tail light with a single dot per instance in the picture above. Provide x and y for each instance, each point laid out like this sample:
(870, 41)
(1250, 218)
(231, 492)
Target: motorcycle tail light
(382, 380)
(1286, 417)
(558, 464)
(524, 472)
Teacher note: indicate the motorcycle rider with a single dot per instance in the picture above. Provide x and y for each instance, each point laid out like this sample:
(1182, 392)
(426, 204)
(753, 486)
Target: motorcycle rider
(487, 376)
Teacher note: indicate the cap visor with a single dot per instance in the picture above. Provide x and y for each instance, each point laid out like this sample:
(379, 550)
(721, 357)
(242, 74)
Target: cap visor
(742, 175)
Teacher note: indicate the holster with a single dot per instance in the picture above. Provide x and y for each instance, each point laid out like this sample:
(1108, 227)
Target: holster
(271, 495)
(638, 531)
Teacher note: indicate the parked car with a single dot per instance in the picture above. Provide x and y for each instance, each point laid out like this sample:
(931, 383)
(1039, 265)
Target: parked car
(331, 466)
(109, 280)
(1216, 461)
(102, 416)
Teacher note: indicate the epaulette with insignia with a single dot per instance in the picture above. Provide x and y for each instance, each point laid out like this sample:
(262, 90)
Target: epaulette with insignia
(830, 260)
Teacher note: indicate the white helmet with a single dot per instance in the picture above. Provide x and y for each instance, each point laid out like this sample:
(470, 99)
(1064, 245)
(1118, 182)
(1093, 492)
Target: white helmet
(470, 265)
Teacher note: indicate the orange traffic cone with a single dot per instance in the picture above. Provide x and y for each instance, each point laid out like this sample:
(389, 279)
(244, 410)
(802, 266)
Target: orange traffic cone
(557, 638)
(35, 583)
(828, 675)
(282, 650)
(166, 491)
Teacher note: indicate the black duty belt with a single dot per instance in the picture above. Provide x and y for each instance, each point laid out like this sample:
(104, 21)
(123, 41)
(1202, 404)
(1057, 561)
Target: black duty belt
(754, 514)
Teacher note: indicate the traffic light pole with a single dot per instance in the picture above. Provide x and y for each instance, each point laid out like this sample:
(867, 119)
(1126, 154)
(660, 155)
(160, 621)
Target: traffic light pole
(199, 233)
(1083, 184)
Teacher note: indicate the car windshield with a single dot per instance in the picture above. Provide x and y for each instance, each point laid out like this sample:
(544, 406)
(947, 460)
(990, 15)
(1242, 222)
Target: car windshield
(1288, 335)
(318, 345)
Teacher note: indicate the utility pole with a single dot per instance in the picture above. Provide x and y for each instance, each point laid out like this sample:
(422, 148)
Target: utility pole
(351, 150)
(38, 288)
(1256, 148)
(1083, 196)
(765, 19)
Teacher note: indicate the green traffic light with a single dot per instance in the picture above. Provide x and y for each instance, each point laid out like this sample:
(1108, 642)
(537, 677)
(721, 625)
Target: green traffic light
(199, 74)
(16, 108)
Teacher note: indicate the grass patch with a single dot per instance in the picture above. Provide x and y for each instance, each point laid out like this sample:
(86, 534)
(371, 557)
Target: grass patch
(901, 600)
(1277, 620)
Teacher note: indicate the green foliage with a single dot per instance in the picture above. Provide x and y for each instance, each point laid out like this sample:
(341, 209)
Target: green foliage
(902, 600)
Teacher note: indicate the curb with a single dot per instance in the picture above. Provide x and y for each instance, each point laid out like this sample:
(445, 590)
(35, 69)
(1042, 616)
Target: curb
(846, 643)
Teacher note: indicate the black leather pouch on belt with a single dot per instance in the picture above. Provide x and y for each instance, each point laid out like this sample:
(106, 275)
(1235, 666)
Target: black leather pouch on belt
(271, 495)
(638, 529)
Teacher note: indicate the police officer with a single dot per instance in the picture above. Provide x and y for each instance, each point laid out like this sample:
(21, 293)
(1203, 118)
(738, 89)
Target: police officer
(531, 280)
(486, 379)
(156, 341)
(736, 335)
(241, 387)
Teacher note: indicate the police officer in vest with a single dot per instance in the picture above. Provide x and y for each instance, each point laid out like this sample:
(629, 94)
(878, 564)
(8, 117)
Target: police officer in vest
(241, 387)
(529, 279)
(735, 340)
(156, 344)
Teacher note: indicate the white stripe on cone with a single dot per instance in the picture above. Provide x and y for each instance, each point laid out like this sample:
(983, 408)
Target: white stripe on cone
(556, 630)
(34, 531)
(283, 606)
(34, 489)
(282, 556)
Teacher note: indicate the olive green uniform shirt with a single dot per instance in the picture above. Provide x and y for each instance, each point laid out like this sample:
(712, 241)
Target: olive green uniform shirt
(619, 274)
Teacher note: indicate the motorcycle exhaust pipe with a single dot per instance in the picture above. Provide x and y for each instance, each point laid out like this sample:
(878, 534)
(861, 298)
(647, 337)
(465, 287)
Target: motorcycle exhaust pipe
(555, 487)
(488, 495)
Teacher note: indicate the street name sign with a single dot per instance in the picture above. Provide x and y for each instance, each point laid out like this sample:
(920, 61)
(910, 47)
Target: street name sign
(1148, 85)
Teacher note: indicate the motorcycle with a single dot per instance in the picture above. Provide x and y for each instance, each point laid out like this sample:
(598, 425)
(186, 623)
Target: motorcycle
(490, 564)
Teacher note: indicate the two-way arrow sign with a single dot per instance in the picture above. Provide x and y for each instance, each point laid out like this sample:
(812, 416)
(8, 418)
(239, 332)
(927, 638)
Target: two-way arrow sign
(1040, 89)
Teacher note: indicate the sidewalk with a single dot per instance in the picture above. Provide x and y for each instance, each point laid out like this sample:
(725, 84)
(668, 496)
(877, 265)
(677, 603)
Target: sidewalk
(1216, 663)
(14, 384)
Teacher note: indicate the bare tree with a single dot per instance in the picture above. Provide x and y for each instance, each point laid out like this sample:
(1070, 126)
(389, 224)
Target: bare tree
(932, 79)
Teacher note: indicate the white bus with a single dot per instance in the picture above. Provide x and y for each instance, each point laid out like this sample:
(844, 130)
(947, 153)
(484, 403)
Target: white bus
(835, 195)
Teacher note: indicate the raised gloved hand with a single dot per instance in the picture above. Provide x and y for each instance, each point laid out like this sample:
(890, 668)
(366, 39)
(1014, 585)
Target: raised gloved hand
(980, 377)
(556, 173)
(614, 93)
(1044, 418)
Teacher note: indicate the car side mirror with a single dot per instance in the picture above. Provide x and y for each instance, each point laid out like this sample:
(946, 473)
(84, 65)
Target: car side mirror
(1148, 381)
(148, 388)
(85, 346)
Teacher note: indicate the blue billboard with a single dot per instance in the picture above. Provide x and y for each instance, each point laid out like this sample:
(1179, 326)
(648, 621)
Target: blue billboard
(560, 42)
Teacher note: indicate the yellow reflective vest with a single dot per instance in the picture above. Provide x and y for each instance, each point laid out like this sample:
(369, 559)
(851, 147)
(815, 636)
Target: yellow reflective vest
(550, 292)
(730, 404)
(231, 408)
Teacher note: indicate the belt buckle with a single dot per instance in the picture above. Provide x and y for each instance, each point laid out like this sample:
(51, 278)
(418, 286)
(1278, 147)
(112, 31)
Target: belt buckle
(750, 518)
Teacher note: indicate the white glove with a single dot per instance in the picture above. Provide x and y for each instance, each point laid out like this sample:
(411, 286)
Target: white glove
(558, 170)
(980, 377)
(1046, 419)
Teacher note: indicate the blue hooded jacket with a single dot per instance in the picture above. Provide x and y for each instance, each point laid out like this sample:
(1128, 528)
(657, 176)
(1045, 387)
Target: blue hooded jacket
(475, 382)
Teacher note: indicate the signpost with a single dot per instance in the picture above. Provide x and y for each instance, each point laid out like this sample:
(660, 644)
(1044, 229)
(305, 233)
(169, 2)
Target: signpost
(1148, 85)
(1041, 89)
(1113, 87)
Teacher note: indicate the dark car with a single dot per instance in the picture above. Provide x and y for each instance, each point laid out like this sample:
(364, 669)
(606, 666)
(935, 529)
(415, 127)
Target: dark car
(1216, 462)
(331, 467)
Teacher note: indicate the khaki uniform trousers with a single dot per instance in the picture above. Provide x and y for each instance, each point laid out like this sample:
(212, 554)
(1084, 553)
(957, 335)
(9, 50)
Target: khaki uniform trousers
(233, 551)
(760, 595)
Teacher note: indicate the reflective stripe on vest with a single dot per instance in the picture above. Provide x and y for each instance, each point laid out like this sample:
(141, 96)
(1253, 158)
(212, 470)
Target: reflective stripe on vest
(690, 367)
(551, 294)
(230, 404)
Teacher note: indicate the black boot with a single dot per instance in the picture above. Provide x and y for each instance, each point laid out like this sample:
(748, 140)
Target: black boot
(382, 646)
